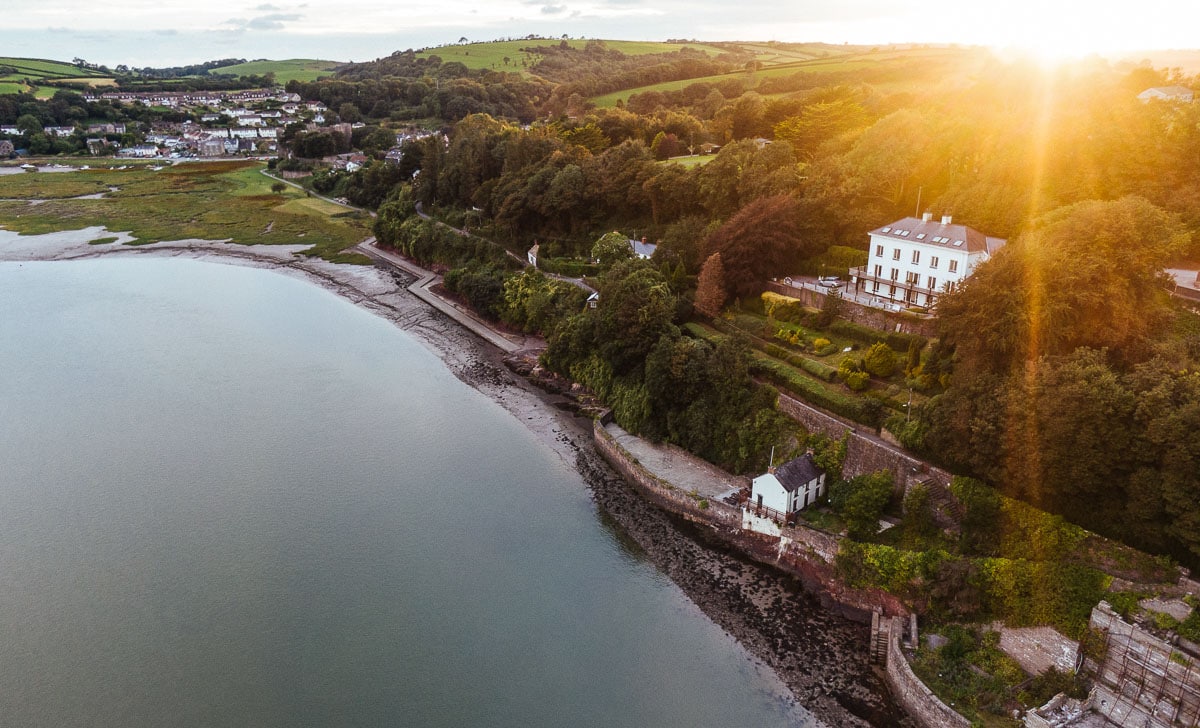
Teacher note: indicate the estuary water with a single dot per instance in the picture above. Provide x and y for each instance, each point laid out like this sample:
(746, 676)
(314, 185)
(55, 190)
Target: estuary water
(231, 498)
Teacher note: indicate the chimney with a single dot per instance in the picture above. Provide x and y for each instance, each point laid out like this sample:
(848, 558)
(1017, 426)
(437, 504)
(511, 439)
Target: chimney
(771, 467)
(945, 219)
(926, 217)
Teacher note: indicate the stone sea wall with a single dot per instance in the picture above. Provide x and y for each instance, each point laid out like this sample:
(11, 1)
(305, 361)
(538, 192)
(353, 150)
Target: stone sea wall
(911, 692)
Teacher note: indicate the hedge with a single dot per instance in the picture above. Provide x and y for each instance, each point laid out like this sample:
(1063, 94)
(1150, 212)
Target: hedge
(812, 391)
(568, 267)
(867, 335)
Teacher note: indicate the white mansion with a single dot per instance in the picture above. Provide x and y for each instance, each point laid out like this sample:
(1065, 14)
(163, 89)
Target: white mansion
(913, 261)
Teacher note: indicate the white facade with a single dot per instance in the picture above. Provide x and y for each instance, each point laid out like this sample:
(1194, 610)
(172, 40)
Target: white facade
(913, 261)
(790, 488)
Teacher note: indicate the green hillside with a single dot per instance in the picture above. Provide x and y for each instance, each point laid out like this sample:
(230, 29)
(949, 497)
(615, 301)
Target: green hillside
(492, 55)
(24, 75)
(784, 61)
(295, 69)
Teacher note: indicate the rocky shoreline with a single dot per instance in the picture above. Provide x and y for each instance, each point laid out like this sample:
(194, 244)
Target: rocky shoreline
(819, 655)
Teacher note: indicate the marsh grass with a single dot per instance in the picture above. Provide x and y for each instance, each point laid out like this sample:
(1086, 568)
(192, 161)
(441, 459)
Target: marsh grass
(208, 201)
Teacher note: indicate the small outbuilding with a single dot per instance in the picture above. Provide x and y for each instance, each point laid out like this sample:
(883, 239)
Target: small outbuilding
(791, 487)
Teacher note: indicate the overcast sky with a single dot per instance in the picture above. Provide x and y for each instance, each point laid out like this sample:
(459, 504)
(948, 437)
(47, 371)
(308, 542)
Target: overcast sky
(173, 32)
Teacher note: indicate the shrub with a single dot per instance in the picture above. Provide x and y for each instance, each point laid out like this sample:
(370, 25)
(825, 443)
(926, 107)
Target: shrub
(820, 343)
(857, 381)
(880, 360)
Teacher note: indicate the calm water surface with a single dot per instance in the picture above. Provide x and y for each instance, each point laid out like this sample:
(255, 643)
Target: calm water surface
(229, 498)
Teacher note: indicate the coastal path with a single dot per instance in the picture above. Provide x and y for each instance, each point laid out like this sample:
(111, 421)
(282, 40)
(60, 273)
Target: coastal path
(577, 282)
(679, 467)
(507, 342)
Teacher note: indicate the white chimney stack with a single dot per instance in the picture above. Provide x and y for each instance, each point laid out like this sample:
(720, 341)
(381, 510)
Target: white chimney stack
(927, 217)
(945, 219)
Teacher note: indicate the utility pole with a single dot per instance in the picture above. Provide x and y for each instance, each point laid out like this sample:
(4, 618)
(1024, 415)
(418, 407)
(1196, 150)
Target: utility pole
(917, 212)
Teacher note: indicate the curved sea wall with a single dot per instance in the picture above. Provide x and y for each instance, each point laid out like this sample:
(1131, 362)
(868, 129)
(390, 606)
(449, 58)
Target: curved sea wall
(803, 552)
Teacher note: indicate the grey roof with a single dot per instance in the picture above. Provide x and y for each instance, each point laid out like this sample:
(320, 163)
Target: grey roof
(641, 249)
(1167, 91)
(795, 474)
(935, 234)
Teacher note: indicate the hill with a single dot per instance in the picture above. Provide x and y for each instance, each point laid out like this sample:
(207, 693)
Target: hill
(295, 69)
(493, 54)
(29, 75)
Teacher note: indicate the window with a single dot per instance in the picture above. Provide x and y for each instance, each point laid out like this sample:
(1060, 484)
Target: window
(913, 279)
(878, 270)
(933, 260)
(932, 283)
(895, 274)
(878, 251)
(896, 254)
(920, 236)
(916, 257)
(954, 266)
(875, 287)
(886, 230)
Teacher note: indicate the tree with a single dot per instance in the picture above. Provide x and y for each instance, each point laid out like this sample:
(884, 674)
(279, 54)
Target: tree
(759, 242)
(612, 248)
(860, 502)
(278, 187)
(710, 288)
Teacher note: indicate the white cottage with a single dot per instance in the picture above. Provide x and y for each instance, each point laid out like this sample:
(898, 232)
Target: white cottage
(791, 487)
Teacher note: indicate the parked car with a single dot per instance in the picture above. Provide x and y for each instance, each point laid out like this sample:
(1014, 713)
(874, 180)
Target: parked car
(829, 282)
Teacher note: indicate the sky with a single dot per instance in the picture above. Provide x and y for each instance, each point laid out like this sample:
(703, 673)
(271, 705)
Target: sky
(177, 32)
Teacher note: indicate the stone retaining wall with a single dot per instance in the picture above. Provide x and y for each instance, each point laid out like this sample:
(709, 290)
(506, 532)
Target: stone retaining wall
(876, 318)
(911, 692)
(867, 455)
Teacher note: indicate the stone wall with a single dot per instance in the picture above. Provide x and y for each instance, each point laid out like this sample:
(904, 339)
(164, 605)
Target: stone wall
(917, 699)
(876, 318)
(1142, 680)
(867, 453)
(658, 491)
(803, 552)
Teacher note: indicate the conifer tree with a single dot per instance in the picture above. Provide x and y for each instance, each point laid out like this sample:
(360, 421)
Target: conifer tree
(710, 287)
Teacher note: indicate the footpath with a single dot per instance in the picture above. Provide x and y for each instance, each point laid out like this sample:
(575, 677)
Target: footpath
(508, 342)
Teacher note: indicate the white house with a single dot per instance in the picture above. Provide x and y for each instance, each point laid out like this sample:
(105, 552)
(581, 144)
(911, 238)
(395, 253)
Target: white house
(782, 491)
(1166, 93)
(532, 255)
(914, 261)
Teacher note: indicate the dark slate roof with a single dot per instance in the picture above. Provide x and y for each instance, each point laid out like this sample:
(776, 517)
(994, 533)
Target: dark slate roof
(795, 474)
(935, 234)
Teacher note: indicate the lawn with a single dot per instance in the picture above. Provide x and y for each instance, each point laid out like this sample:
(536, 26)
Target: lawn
(694, 160)
(209, 201)
(294, 69)
(13, 87)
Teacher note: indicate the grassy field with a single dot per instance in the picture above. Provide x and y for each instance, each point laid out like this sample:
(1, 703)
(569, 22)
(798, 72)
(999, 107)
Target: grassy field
(783, 66)
(492, 55)
(295, 69)
(692, 161)
(38, 69)
(209, 201)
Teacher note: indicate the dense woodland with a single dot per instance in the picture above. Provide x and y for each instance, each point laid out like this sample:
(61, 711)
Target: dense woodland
(1063, 373)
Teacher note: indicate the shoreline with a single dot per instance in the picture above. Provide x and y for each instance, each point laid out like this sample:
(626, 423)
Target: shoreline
(818, 656)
